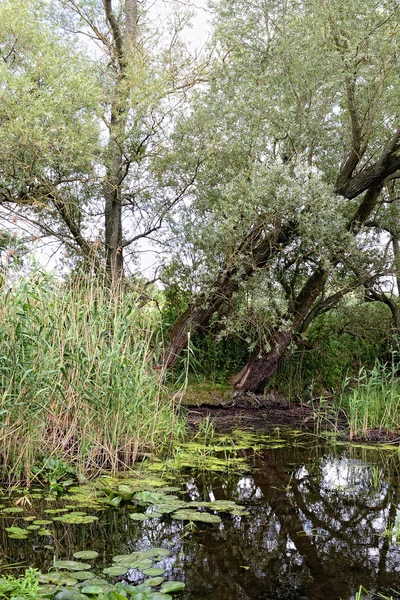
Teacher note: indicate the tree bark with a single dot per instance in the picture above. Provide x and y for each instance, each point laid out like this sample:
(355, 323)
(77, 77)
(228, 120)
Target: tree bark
(122, 45)
(261, 365)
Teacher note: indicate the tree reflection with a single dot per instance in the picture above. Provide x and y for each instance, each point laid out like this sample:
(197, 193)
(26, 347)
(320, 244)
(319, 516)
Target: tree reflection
(316, 530)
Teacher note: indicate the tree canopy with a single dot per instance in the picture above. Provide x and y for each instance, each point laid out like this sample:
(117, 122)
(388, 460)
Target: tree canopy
(266, 170)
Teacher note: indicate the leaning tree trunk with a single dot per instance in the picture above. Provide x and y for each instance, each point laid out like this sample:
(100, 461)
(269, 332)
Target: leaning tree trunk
(262, 366)
(199, 315)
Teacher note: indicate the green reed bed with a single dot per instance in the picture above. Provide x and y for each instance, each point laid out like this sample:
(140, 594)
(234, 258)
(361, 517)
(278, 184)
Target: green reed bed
(372, 401)
(76, 377)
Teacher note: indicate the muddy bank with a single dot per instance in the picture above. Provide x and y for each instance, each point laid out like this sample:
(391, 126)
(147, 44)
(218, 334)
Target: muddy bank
(250, 412)
(258, 412)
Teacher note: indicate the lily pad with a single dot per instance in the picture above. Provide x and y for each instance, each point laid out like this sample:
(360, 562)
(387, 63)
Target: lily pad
(84, 575)
(155, 581)
(58, 578)
(76, 518)
(138, 517)
(71, 565)
(13, 509)
(154, 571)
(42, 522)
(86, 554)
(124, 558)
(144, 563)
(115, 570)
(194, 515)
(16, 530)
(172, 586)
(93, 589)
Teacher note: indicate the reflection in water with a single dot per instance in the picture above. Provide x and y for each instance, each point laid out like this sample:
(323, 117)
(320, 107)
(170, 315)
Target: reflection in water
(316, 530)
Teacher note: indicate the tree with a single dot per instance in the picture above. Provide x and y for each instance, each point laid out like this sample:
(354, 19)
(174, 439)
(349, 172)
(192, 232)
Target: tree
(88, 98)
(304, 106)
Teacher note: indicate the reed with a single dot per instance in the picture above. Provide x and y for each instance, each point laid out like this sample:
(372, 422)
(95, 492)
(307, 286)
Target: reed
(372, 401)
(76, 377)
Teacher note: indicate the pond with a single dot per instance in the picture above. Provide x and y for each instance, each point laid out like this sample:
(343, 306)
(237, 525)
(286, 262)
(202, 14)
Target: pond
(315, 520)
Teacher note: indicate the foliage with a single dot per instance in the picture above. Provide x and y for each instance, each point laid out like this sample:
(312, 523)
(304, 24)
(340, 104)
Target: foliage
(76, 378)
(20, 587)
(373, 400)
(336, 345)
(58, 473)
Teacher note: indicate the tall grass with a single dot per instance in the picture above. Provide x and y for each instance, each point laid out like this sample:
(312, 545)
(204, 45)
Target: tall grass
(373, 400)
(76, 377)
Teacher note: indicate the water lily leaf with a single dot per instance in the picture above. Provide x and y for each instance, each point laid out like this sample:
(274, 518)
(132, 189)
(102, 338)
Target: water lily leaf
(95, 581)
(16, 530)
(30, 518)
(115, 570)
(143, 588)
(93, 589)
(13, 509)
(71, 565)
(153, 552)
(86, 554)
(150, 497)
(160, 596)
(172, 586)
(144, 563)
(33, 527)
(42, 522)
(155, 581)
(76, 519)
(169, 507)
(44, 532)
(84, 575)
(154, 571)
(58, 578)
(47, 589)
(123, 558)
(18, 536)
(113, 595)
(138, 517)
(194, 515)
(65, 595)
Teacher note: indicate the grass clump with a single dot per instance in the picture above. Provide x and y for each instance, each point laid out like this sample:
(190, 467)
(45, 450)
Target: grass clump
(373, 400)
(76, 377)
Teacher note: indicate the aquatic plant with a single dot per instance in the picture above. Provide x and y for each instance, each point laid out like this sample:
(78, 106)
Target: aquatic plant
(76, 378)
(24, 587)
(373, 401)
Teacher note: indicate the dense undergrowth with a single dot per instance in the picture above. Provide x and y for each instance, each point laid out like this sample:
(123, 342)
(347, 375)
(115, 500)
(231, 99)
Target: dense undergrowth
(76, 377)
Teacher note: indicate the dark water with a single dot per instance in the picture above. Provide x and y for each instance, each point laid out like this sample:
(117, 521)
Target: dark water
(316, 531)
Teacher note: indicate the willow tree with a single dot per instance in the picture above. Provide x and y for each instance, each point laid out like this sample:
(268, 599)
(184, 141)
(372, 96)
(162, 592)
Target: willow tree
(303, 138)
(89, 93)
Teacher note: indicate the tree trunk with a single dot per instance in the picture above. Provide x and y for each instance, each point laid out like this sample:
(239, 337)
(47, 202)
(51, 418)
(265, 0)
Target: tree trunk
(123, 44)
(262, 366)
(201, 312)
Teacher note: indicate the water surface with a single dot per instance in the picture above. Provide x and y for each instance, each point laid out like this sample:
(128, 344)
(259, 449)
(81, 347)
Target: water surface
(322, 522)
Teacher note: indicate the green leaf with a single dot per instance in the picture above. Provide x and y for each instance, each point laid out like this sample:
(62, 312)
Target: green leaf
(172, 586)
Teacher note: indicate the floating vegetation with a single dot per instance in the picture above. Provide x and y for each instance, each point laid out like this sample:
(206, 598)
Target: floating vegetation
(86, 554)
(71, 565)
(76, 518)
(194, 515)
